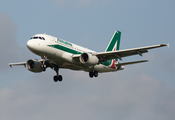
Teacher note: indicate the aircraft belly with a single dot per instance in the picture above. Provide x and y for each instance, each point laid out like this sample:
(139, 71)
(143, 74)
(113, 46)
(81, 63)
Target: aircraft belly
(73, 67)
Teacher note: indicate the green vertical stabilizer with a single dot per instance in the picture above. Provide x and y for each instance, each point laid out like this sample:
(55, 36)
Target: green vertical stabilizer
(113, 45)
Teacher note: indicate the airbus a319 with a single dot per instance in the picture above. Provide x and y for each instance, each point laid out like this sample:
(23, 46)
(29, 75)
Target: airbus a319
(57, 54)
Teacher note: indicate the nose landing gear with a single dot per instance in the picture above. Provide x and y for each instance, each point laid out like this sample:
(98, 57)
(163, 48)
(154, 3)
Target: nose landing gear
(43, 64)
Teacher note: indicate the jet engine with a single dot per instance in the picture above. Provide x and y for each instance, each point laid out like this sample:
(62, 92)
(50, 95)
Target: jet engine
(89, 59)
(34, 66)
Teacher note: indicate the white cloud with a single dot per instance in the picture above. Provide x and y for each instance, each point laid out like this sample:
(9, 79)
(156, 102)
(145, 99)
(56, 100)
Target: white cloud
(121, 95)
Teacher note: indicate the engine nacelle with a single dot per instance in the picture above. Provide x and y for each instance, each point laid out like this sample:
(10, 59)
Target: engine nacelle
(34, 66)
(89, 59)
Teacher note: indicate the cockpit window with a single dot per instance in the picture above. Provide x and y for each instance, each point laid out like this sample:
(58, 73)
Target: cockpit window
(35, 37)
(41, 38)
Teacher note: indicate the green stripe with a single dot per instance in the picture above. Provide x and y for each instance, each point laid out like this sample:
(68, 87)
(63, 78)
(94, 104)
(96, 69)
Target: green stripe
(65, 49)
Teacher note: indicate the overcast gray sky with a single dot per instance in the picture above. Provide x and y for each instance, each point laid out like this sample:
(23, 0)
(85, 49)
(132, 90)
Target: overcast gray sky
(140, 92)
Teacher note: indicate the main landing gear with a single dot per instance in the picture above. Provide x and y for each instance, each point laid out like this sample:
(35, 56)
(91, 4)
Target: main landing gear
(93, 74)
(57, 77)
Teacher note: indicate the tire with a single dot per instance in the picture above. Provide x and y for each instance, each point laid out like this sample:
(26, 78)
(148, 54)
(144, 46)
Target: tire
(60, 78)
(55, 78)
(91, 74)
(95, 74)
(43, 67)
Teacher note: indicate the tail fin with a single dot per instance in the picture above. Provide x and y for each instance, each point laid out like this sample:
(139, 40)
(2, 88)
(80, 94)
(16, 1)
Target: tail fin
(114, 44)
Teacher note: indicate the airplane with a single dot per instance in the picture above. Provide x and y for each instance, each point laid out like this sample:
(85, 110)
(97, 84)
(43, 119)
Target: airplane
(57, 53)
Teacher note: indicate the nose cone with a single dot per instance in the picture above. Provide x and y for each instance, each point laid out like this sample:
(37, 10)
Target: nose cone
(30, 45)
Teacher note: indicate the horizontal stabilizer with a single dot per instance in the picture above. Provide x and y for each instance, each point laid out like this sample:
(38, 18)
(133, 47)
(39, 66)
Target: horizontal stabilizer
(129, 63)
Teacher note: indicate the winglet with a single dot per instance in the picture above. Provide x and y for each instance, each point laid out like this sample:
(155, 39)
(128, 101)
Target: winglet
(10, 65)
(168, 45)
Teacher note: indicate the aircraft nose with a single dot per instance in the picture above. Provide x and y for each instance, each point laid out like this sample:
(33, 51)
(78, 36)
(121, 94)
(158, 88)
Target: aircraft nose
(30, 45)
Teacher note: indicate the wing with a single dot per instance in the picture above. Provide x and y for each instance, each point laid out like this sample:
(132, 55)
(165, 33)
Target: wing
(47, 62)
(23, 63)
(104, 56)
(15, 64)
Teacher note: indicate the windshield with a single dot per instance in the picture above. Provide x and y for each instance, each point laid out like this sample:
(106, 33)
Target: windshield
(41, 38)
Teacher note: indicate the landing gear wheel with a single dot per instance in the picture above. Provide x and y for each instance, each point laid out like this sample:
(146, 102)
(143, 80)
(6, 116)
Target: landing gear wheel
(57, 78)
(43, 66)
(60, 78)
(91, 74)
(95, 74)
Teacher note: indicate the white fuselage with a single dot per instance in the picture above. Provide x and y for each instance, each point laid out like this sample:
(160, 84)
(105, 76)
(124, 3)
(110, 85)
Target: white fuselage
(60, 52)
